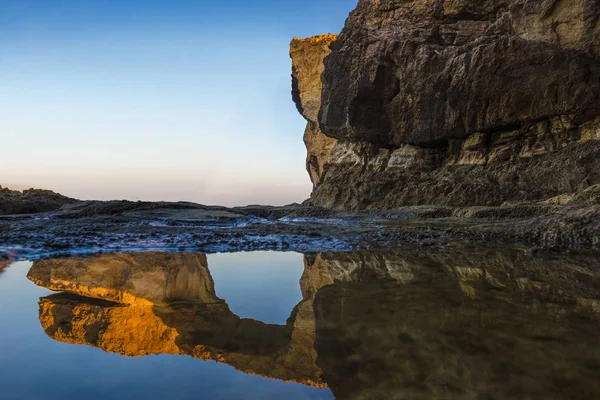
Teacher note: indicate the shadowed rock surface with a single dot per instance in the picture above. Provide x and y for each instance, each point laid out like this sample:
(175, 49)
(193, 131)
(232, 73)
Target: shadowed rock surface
(465, 324)
(455, 103)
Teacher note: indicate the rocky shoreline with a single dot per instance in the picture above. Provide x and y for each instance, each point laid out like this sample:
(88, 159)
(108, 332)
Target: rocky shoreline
(31, 201)
(98, 227)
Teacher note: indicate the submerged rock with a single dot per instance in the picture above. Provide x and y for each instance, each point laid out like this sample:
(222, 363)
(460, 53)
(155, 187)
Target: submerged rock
(457, 103)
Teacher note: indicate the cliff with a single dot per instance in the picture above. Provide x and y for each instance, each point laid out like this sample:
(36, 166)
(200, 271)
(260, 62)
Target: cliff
(455, 103)
(137, 279)
(307, 67)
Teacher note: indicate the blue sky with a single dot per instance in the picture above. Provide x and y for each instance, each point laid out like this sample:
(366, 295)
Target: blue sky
(156, 100)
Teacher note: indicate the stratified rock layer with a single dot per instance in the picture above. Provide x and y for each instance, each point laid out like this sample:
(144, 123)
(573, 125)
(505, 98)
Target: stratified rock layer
(450, 102)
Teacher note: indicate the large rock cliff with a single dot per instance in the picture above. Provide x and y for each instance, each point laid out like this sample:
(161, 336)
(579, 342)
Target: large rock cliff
(458, 103)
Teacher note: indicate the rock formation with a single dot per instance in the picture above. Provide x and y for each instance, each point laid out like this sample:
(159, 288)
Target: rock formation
(455, 324)
(456, 103)
(31, 201)
(307, 67)
(4, 264)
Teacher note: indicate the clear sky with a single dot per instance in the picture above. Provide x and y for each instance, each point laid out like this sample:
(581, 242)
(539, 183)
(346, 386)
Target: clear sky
(156, 99)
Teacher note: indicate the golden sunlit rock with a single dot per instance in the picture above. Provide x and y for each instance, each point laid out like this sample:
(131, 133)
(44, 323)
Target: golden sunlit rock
(307, 66)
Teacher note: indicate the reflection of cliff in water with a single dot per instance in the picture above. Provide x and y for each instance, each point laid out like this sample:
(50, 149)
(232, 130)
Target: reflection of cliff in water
(162, 303)
(4, 264)
(483, 324)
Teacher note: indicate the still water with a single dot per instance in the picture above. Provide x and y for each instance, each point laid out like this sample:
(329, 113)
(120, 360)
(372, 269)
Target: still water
(468, 324)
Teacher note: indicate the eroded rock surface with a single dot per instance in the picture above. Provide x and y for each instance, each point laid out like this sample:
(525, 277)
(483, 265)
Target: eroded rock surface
(456, 103)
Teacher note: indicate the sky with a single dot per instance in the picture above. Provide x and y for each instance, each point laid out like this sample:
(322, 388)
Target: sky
(175, 100)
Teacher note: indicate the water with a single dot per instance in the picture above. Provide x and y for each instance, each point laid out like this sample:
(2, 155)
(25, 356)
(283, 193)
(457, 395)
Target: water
(258, 285)
(461, 324)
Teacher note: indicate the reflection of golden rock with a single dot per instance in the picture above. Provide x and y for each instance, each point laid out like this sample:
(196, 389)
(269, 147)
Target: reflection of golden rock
(167, 305)
(4, 264)
(131, 331)
(204, 331)
(406, 324)
(141, 279)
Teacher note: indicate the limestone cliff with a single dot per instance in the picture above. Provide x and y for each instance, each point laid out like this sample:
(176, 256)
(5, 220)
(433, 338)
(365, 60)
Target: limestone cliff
(307, 66)
(458, 103)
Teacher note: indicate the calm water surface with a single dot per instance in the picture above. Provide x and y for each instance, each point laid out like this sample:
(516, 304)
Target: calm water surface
(469, 324)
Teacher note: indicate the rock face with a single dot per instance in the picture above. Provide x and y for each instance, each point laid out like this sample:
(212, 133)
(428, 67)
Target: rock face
(307, 67)
(458, 103)
(31, 201)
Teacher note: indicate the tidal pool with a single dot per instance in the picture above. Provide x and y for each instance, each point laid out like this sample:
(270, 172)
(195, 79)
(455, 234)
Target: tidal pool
(469, 324)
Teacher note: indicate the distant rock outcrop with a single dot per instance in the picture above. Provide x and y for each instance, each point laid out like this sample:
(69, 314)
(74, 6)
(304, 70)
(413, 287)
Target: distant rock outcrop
(31, 201)
(457, 103)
